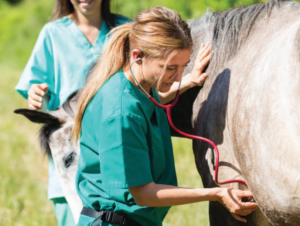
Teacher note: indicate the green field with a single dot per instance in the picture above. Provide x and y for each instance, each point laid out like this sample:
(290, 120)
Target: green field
(23, 170)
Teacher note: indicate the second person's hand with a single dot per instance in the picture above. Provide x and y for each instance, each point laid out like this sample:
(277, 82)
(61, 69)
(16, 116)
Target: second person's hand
(35, 96)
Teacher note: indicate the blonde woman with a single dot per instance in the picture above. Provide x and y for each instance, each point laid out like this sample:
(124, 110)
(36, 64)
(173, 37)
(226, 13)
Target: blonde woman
(126, 173)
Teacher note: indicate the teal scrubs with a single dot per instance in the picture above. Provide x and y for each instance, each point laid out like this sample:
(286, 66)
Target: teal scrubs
(61, 57)
(63, 212)
(125, 142)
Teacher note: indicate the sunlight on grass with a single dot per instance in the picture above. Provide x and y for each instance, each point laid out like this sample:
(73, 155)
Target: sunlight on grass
(192, 214)
(23, 171)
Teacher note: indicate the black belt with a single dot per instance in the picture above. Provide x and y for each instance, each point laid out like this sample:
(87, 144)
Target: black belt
(108, 216)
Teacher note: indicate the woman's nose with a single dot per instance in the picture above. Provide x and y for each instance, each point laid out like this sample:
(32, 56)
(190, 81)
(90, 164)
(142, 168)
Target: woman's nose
(177, 76)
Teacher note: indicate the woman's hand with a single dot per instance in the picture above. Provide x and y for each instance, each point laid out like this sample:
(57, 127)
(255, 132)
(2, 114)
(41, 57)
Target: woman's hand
(35, 96)
(196, 77)
(232, 200)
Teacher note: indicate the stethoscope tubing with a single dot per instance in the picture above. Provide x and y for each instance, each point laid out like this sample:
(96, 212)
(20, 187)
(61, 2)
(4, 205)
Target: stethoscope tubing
(168, 108)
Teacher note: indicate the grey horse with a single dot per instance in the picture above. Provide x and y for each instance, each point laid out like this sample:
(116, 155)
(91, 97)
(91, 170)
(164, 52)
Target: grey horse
(55, 140)
(247, 106)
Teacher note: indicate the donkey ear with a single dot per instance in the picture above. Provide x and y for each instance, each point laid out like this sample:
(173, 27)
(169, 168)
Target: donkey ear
(38, 116)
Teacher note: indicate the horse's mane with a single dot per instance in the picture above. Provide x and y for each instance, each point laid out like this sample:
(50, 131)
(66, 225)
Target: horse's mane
(231, 28)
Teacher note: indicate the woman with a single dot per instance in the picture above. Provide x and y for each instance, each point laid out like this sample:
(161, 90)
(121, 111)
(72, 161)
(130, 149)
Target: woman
(65, 50)
(126, 173)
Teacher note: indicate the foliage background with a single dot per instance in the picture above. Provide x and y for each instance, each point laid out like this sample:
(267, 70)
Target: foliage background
(20, 23)
(23, 171)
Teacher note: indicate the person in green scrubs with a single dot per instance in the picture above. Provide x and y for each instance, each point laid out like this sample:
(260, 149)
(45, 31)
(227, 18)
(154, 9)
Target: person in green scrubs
(65, 50)
(126, 173)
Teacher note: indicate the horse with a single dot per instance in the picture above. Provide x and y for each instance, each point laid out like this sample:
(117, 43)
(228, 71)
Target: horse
(56, 141)
(247, 106)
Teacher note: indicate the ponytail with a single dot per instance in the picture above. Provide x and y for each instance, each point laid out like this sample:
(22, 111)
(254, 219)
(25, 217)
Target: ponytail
(158, 32)
(115, 54)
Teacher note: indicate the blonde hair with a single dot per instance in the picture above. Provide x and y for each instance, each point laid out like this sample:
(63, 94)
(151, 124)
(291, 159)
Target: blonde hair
(156, 32)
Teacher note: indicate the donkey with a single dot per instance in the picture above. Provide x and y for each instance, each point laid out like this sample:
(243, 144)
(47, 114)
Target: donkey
(55, 141)
(247, 106)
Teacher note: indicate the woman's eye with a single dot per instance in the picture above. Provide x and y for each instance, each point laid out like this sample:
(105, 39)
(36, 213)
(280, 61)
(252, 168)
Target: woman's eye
(170, 69)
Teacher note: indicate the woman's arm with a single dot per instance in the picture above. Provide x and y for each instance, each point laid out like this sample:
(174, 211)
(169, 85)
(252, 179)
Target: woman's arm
(39, 76)
(156, 195)
(196, 77)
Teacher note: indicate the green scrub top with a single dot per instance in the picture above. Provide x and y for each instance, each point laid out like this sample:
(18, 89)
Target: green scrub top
(61, 58)
(125, 142)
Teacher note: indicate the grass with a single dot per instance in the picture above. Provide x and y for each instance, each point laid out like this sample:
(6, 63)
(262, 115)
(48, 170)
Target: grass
(23, 171)
(192, 214)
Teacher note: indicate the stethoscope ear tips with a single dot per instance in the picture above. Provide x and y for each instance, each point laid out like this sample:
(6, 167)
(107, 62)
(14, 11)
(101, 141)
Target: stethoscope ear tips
(138, 59)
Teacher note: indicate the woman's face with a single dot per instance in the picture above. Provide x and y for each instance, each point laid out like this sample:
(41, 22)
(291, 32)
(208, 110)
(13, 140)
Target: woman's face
(152, 70)
(87, 7)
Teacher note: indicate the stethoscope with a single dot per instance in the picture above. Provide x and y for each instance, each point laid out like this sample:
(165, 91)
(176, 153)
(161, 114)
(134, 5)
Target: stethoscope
(167, 108)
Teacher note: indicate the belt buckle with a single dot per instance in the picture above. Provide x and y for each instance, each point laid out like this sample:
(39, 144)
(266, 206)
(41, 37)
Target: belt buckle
(119, 219)
(108, 216)
(114, 218)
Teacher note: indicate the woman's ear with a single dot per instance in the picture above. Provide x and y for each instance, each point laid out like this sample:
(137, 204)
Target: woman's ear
(137, 55)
